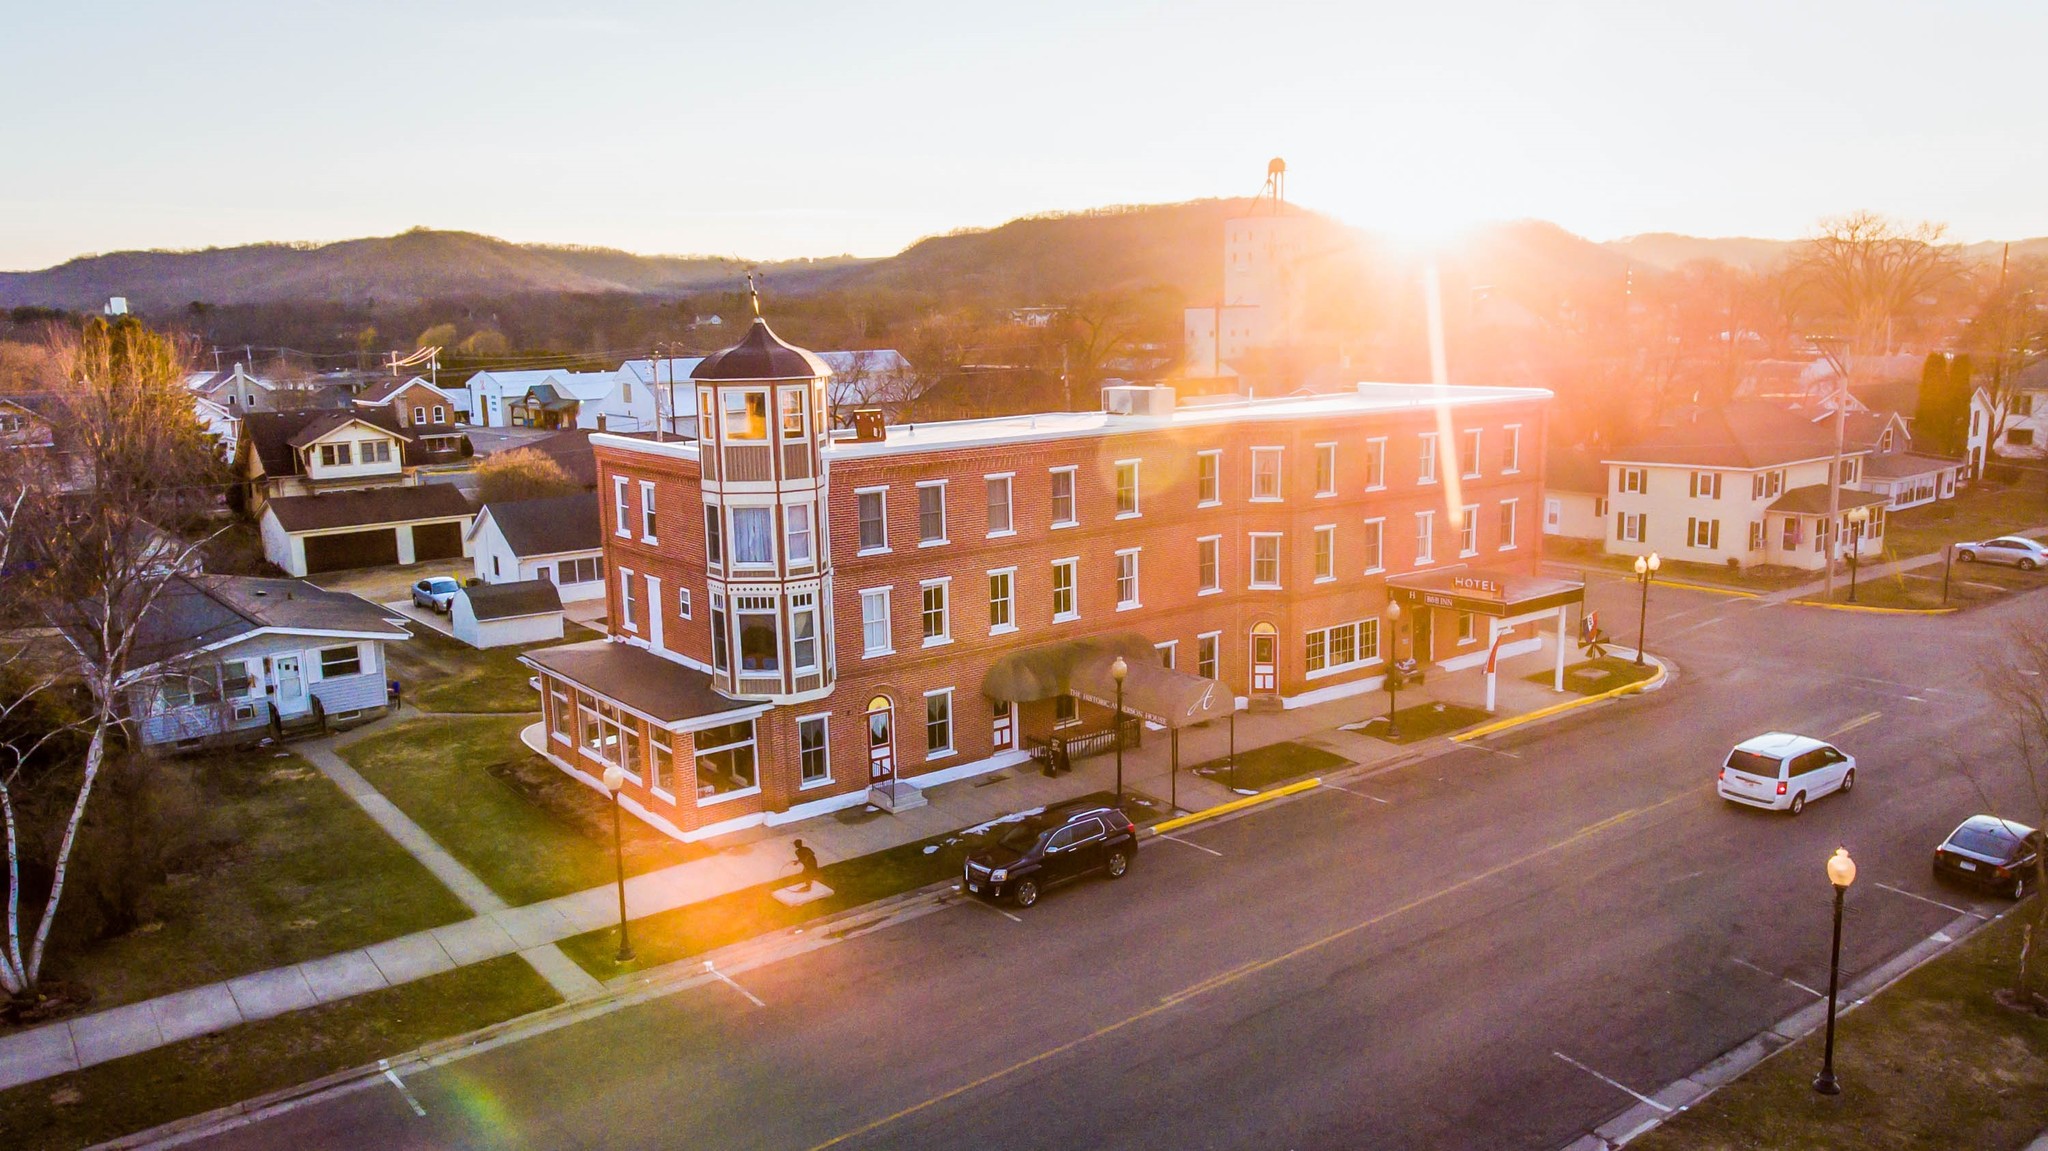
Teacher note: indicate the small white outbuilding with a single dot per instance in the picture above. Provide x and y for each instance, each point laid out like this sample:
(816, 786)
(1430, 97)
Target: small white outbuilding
(502, 615)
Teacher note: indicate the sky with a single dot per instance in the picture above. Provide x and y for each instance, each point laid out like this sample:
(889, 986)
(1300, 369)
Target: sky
(774, 129)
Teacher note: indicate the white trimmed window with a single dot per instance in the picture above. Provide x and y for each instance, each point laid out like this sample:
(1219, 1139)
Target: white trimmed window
(1756, 536)
(872, 508)
(797, 519)
(661, 762)
(931, 513)
(1375, 463)
(1002, 600)
(1375, 551)
(814, 750)
(803, 631)
(1206, 646)
(1425, 465)
(1326, 469)
(1062, 487)
(1127, 579)
(1706, 485)
(628, 610)
(683, 602)
(1468, 531)
(937, 612)
(1126, 488)
(622, 517)
(753, 537)
(1633, 527)
(1265, 559)
(1703, 533)
(1632, 480)
(938, 723)
(341, 660)
(1425, 537)
(1468, 628)
(1326, 552)
(1330, 650)
(1209, 564)
(1471, 461)
(1508, 510)
(1266, 473)
(1064, 604)
(999, 521)
(1208, 478)
(874, 622)
(1511, 450)
(714, 537)
(648, 534)
(1168, 653)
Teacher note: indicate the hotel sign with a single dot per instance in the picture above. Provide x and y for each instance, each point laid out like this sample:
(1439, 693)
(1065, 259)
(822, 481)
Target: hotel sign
(1478, 585)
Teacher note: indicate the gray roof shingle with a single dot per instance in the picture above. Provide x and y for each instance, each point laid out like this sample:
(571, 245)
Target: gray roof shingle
(549, 526)
(370, 507)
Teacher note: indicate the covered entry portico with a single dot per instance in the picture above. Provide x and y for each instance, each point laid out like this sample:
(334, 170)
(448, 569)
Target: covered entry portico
(1440, 602)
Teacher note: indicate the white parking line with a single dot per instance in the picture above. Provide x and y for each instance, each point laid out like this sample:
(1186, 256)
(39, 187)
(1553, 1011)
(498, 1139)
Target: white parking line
(1359, 794)
(1639, 1096)
(994, 908)
(727, 980)
(1196, 846)
(1853, 724)
(1935, 902)
(398, 1083)
(1775, 975)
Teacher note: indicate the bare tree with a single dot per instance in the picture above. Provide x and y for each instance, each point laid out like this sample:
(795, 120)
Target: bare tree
(81, 559)
(521, 474)
(2018, 686)
(1870, 274)
(2008, 333)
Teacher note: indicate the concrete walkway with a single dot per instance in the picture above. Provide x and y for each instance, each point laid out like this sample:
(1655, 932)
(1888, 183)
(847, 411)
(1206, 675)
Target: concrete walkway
(746, 859)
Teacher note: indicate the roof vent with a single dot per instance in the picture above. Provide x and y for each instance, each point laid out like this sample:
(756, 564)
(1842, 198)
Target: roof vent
(868, 427)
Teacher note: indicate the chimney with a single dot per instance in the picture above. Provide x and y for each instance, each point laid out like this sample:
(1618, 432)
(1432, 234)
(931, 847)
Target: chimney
(868, 427)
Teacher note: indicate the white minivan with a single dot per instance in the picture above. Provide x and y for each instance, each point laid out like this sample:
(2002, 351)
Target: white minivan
(1781, 771)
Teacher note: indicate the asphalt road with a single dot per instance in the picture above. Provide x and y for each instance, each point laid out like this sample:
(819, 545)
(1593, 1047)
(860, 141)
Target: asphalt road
(1489, 948)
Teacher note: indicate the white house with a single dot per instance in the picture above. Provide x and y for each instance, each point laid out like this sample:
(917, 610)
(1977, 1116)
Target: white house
(558, 540)
(552, 398)
(1743, 484)
(1891, 468)
(366, 528)
(1574, 495)
(506, 614)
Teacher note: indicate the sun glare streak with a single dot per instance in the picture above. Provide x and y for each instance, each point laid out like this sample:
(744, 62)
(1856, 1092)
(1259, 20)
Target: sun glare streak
(1440, 380)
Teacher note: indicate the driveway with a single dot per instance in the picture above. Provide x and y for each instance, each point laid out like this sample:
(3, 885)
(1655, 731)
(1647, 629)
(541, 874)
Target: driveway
(384, 584)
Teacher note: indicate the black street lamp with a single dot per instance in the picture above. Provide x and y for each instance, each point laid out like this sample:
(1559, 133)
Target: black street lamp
(1117, 672)
(1393, 676)
(1841, 873)
(1646, 566)
(1858, 516)
(614, 779)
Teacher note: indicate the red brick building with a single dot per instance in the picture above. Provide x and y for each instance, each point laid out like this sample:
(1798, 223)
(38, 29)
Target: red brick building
(803, 620)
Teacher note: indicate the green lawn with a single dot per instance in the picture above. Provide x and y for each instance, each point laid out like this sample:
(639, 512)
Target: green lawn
(743, 914)
(293, 870)
(1261, 767)
(1921, 589)
(1593, 676)
(1935, 1061)
(198, 1075)
(522, 826)
(1426, 721)
(437, 673)
(1985, 510)
(1590, 554)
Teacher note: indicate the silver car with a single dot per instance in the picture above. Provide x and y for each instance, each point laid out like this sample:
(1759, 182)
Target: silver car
(2020, 552)
(435, 594)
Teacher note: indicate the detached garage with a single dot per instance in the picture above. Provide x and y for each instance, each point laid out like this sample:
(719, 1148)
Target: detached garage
(501, 615)
(376, 527)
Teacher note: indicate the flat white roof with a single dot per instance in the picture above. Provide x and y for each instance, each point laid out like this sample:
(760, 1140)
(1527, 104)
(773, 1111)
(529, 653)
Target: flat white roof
(905, 439)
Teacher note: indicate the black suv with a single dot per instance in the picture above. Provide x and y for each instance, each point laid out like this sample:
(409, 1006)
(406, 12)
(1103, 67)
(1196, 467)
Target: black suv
(1057, 845)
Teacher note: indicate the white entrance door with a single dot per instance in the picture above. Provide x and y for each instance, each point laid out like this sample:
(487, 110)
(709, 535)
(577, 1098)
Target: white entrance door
(1553, 515)
(291, 685)
(1264, 644)
(1006, 726)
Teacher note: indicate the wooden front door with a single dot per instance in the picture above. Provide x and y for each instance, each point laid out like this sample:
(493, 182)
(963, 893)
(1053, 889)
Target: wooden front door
(1264, 646)
(881, 742)
(1005, 725)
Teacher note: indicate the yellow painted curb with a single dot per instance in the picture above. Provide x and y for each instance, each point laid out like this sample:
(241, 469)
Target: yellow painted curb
(1876, 610)
(1706, 587)
(1559, 708)
(1179, 822)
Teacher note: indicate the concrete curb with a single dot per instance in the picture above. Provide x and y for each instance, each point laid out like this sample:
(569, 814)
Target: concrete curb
(1235, 805)
(1872, 610)
(1682, 1094)
(1707, 587)
(1651, 684)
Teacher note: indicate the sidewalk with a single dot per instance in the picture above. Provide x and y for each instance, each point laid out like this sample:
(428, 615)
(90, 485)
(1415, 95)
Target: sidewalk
(745, 859)
(1879, 571)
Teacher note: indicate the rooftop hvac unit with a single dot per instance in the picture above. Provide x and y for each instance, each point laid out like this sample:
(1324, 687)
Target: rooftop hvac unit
(1137, 400)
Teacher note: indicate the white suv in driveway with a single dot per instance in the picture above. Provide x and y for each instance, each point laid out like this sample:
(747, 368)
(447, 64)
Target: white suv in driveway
(1781, 771)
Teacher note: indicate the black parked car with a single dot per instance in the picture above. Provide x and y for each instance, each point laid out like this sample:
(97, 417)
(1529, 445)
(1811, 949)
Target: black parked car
(1990, 852)
(1060, 844)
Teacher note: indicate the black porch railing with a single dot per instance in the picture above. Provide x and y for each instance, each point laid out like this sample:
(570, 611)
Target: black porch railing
(1089, 743)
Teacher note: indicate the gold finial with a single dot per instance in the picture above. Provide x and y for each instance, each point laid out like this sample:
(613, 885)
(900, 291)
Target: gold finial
(755, 293)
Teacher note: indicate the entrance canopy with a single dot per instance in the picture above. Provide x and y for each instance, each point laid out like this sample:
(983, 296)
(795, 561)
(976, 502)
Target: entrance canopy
(1081, 667)
(1483, 592)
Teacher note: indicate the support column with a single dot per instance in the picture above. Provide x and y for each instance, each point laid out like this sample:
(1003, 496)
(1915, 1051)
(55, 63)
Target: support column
(1559, 683)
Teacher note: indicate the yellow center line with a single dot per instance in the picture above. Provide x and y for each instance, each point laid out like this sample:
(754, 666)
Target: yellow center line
(1853, 724)
(1232, 976)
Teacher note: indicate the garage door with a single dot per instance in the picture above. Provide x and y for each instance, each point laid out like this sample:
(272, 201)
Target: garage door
(351, 550)
(437, 541)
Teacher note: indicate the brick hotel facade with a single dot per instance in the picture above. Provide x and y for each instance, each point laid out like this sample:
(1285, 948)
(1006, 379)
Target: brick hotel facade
(803, 621)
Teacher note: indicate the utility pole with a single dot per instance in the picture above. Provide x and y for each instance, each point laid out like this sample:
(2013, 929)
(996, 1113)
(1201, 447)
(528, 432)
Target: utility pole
(1832, 351)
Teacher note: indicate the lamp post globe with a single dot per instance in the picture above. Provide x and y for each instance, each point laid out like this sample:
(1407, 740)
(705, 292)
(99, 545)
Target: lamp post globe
(614, 781)
(1841, 873)
(1646, 566)
(1117, 671)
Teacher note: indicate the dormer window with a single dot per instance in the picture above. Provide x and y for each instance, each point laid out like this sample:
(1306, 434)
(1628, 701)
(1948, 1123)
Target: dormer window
(335, 455)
